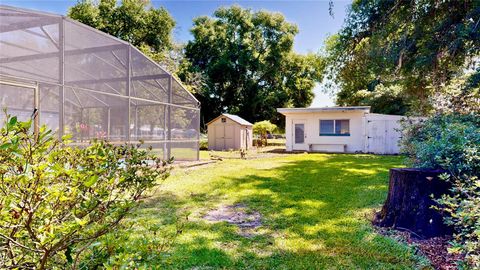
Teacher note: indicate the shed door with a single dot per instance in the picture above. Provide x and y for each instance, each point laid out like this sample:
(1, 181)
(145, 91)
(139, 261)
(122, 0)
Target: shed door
(229, 137)
(219, 137)
(224, 136)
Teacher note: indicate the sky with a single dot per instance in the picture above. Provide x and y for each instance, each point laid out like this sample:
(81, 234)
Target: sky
(311, 16)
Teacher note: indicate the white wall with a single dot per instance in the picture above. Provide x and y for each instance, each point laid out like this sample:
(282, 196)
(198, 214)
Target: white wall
(354, 142)
(369, 132)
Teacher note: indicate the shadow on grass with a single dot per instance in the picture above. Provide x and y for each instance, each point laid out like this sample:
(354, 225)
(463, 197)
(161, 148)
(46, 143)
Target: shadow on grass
(313, 208)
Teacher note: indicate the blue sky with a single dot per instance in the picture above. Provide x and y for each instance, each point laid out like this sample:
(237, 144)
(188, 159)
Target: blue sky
(311, 16)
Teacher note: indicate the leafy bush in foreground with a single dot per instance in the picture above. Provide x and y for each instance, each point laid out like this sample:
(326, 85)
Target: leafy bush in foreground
(452, 142)
(56, 200)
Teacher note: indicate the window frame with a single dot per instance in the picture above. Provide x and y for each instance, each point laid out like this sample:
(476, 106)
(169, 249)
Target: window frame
(334, 128)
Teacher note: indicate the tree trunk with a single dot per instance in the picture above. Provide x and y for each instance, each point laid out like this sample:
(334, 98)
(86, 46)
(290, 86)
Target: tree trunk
(409, 202)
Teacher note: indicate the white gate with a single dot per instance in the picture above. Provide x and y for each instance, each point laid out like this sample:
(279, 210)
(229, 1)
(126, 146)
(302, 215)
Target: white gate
(383, 136)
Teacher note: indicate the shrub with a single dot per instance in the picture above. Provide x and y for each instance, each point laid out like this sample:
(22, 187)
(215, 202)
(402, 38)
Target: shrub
(452, 142)
(137, 243)
(263, 128)
(203, 145)
(57, 200)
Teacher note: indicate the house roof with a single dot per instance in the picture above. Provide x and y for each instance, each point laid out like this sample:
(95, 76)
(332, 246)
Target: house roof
(234, 118)
(323, 109)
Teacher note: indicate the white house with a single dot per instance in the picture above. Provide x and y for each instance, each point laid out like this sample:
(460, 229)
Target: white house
(341, 129)
(229, 132)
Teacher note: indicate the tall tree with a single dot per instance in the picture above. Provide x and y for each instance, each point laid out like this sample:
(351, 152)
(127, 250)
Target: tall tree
(135, 21)
(248, 65)
(419, 46)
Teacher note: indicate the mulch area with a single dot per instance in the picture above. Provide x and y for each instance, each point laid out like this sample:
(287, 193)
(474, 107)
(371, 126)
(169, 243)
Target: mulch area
(435, 249)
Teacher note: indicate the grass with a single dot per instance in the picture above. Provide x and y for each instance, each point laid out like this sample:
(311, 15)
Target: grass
(315, 214)
(254, 152)
(276, 141)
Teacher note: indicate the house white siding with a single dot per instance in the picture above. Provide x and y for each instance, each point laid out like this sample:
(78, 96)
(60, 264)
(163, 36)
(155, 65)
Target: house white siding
(368, 132)
(315, 142)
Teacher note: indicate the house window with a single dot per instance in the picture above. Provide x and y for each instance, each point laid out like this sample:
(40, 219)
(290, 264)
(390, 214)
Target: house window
(224, 120)
(334, 127)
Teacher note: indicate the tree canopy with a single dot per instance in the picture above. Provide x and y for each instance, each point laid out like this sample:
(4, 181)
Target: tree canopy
(416, 47)
(146, 27)
(247, 64)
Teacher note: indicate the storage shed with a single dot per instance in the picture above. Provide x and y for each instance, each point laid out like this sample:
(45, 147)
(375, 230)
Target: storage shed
(229, 132)
(342, 130)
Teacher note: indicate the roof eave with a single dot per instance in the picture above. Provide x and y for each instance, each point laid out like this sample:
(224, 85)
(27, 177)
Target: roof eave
(285, 111)
(226, 115)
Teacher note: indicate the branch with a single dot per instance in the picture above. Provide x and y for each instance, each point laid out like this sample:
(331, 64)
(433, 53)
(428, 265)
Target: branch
(19, 244)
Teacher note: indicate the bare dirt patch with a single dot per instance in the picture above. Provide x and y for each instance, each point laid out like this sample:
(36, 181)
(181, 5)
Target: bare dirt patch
(238, 215)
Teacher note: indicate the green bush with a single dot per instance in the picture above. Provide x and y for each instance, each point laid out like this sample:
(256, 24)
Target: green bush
(203, 144)
(262, 129)
(56, 200)
(452, 142)
(136, 244)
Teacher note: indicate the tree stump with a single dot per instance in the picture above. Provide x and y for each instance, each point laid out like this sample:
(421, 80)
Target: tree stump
(409, 202)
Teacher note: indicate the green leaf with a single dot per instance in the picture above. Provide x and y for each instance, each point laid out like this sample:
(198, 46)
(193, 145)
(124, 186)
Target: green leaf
(5, 146)
(12, 121)
(26, 124)
(91, 181)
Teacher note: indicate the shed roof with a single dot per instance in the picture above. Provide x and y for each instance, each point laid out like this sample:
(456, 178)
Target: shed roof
(324, 109)
(234, 118)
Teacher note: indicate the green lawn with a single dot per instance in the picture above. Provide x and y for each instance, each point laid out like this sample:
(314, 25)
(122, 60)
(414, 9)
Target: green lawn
(315, 210)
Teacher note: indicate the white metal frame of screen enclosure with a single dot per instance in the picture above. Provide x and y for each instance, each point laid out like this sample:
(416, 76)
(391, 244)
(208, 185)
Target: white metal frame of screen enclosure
(89, 84)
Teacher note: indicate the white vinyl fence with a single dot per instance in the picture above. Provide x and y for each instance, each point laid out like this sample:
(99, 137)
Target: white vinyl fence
(383, 133)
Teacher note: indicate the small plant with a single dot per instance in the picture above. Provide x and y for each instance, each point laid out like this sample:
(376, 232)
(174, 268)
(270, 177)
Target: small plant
(203, 145)
(56, 200)
(243, 153)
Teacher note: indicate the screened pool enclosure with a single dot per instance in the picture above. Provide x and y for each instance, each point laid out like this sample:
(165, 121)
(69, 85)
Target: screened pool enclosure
(80, 81)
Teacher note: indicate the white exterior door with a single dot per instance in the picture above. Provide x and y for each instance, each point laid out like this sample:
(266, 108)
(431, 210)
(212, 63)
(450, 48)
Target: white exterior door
(299, 135)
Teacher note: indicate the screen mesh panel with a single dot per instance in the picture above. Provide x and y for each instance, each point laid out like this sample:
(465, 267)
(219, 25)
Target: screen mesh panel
(17, 101)
(92, 85)
(49, 106)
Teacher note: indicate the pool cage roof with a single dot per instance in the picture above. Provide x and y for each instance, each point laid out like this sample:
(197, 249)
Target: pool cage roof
(83, 82)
